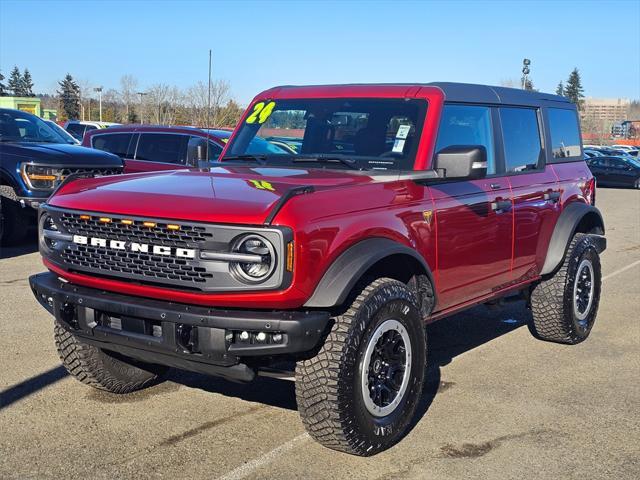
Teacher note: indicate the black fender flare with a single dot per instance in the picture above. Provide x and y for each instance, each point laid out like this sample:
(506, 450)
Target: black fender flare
(564, 230)
(349, 267)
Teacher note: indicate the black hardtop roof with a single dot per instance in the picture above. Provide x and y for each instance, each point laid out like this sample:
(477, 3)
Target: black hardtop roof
(469, 92)
(472, 93)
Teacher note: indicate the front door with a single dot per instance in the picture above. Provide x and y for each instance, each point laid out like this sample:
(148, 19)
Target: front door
(474, 218)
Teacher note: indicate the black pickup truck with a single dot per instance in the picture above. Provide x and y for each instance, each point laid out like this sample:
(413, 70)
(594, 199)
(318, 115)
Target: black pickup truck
(34, 160)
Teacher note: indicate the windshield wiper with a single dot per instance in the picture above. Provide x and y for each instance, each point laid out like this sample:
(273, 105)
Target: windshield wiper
(327, 159)
(261, 159)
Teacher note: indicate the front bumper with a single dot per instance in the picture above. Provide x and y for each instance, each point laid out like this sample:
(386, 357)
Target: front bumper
(211, 341)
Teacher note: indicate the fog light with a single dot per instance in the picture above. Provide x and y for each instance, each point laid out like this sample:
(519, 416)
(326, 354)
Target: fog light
(244, 336)
(228, 336)
(261, 337)
(277, 338)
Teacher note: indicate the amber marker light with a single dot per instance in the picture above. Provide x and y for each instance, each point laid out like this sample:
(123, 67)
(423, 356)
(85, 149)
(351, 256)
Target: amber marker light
(149, 224)
(85, 217)
(105, 219)
(126, 221)
(290, 257)
(173, 227)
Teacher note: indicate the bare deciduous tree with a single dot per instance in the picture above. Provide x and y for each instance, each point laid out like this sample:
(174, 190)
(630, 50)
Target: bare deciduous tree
(128, 90)
(197, 99)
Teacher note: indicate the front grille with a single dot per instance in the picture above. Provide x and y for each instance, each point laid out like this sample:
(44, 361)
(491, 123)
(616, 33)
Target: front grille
(113, 247)
(160, 234)
(154, 268)
(115, 263)
(65, 172)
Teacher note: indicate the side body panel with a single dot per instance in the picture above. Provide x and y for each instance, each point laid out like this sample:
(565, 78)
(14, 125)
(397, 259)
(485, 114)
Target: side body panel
(474, 240)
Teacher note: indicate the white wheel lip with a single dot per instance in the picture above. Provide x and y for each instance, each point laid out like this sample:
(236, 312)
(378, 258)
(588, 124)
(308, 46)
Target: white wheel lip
(372, 408)
(585, 263)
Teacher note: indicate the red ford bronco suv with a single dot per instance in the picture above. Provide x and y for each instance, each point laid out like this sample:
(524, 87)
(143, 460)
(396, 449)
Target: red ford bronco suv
(402, 205)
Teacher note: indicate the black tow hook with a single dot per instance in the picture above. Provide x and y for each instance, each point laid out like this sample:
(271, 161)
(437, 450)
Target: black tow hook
(187, 337)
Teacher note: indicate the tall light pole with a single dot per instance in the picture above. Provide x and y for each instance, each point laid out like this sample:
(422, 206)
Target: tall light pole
(142, 94)
(99, 90)
(525, 73)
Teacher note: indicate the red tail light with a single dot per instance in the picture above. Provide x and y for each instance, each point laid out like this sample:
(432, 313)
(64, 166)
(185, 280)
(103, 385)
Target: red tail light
(590, 191)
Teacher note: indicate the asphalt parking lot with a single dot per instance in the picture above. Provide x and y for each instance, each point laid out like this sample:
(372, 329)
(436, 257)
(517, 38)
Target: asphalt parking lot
(498, 403)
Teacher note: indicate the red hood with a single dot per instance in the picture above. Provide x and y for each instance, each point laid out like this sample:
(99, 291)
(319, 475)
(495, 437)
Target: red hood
(219, 195)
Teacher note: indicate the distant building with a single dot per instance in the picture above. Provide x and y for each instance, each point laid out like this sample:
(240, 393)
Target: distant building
(26, 104)
(630, 129)
(610, 110)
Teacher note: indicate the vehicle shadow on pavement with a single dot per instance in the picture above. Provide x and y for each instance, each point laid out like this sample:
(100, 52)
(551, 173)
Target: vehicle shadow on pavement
(458, 334)
(31, 385)
(29, 245)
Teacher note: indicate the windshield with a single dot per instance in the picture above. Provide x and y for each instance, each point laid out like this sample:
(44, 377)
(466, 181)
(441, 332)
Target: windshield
(62, 132)
(367, 134)
(17, 126)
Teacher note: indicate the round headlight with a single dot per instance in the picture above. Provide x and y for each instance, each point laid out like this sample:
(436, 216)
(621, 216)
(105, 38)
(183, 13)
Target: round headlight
(47, 223)
(265, 258)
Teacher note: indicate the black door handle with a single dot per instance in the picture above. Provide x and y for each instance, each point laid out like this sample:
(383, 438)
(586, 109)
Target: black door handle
(500, 205)
(552, 195)
(495, 186)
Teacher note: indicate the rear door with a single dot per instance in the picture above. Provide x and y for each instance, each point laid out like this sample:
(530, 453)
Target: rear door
(474, 221)
(159, 151)
(534, 186)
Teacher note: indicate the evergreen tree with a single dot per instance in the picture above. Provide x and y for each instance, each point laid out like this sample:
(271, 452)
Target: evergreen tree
(560, 89)
(132, 117)
(27, 84)
(15, 82)
(69, 97)
(573, 91)
(2, 87)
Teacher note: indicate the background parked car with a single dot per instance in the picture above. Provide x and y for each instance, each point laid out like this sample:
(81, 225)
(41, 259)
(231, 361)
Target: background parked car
(147, 148)
(71, 140)
(615, 171)
(34, 159)
(79, 128)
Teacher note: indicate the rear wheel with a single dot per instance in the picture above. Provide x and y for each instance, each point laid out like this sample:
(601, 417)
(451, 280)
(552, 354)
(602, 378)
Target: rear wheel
(565, 305)
(15, 218)
(360, 392)
(101, 369)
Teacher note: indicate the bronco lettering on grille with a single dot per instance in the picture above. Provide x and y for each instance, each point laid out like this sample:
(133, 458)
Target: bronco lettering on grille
(135, 247)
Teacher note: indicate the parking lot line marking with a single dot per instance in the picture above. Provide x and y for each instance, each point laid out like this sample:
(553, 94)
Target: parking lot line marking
(623, 269)
(246, 469)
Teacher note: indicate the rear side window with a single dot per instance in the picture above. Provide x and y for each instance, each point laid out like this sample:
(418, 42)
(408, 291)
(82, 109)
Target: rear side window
(117, 143)
(467, 125)
(521, 135)
(165, 148)
(565, 133)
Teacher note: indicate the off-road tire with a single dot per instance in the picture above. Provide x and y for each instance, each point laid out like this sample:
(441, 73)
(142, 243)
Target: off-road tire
(102, 370)
(554, 317)
(328, 386)
(16, 220)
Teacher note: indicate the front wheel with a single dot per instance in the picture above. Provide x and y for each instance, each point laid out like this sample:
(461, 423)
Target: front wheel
(360, 392)
(565, 305)
(101, 369)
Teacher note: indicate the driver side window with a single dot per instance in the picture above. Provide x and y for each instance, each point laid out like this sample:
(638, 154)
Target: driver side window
(467, 125)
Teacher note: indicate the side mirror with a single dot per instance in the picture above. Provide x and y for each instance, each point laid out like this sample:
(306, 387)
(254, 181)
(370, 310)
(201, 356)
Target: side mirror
(462, 162)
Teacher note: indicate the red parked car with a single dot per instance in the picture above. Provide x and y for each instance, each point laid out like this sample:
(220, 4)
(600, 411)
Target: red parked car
(400, 205)
(147, 148)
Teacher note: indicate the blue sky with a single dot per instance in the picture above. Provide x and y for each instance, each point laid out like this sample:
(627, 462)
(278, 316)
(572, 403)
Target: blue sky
(260, 44)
